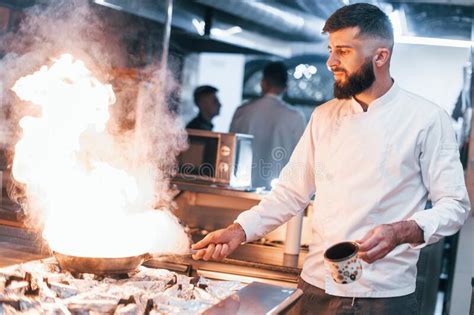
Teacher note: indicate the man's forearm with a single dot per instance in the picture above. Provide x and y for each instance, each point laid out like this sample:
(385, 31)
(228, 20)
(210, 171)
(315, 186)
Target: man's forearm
(408, 232)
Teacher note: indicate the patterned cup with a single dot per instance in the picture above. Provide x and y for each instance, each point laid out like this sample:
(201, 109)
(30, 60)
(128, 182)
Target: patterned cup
(342, 261)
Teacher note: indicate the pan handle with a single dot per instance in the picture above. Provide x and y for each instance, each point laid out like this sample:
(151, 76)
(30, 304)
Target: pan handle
(149, 256)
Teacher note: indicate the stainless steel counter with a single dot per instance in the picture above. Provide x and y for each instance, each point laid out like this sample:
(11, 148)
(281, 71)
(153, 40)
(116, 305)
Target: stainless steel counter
(256, 298)
(218, 190)
(248, 263)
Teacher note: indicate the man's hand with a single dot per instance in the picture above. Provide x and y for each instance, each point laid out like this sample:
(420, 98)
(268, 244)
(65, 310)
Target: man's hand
(220, 243)
(384, 238)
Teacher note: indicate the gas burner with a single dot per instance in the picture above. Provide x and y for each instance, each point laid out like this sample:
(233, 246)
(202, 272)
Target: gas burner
(41, 287)
(120, 276)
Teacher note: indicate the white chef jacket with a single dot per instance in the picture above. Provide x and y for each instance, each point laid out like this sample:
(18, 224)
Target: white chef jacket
(276, 127)
(365, 169)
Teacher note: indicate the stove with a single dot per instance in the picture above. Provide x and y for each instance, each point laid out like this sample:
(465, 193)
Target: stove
(41, 287)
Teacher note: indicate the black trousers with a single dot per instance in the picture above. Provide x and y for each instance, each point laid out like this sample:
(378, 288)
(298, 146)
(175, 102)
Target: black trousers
(316, 301)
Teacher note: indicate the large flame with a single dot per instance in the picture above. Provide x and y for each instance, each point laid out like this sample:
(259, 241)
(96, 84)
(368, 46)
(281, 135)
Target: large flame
(93, 204)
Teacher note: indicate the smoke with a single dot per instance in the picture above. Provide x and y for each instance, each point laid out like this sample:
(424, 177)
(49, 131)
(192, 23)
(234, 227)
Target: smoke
(45, 32)
(142, 138)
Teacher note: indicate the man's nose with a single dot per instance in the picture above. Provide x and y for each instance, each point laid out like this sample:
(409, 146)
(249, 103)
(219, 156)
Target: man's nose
(332, 61)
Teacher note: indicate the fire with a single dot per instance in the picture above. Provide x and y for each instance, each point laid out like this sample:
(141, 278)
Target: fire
(94, 202)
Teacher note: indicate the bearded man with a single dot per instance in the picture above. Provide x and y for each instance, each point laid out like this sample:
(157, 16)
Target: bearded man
(371, 156)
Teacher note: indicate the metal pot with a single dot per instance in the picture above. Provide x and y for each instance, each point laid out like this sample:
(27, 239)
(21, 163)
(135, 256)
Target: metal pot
(104, 266)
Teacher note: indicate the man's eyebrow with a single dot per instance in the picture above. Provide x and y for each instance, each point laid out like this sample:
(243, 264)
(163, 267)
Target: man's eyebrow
(341, 46)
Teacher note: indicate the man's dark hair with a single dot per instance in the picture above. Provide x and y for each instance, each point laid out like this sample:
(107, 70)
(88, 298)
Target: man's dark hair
(371, 21)
(203, 90)
(276, 74)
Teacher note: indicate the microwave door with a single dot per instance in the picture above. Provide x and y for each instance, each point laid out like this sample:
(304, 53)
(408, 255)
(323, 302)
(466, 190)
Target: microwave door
(198, 162)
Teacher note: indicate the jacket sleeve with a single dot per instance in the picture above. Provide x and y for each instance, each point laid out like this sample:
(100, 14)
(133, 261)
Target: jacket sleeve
(296, 186)
(443, 176)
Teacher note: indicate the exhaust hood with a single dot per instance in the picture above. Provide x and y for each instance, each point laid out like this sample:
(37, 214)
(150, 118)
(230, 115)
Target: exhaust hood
(215, 29)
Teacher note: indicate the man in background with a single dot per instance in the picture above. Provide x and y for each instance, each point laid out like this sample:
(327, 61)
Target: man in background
(275, 125)
(205, 98)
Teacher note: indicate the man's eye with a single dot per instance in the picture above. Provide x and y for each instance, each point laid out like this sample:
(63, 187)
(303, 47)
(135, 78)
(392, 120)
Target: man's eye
(343, 52)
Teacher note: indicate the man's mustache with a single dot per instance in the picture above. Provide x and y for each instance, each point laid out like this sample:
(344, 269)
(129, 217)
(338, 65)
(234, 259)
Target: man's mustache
(339, 70)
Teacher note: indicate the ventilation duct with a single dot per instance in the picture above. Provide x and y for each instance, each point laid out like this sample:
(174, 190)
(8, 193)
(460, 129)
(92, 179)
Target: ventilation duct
(273, 16)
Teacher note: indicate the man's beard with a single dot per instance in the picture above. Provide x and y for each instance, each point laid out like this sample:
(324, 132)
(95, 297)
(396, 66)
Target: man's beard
(357, 82)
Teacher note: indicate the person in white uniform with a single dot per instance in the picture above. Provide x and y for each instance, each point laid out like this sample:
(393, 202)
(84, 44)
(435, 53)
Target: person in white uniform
(275, 125)
(371, 156)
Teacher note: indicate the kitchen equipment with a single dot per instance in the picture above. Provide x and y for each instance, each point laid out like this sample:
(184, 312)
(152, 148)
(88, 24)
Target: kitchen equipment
(257, 298)
(107, 265)
(41, 287)
(293, 234)
(223, 159)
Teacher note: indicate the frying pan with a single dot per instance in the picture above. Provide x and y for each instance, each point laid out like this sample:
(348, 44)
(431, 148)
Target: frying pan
(105, 265)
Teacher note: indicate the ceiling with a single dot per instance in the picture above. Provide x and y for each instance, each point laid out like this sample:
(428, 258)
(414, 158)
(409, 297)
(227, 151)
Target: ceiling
(282, 27)
(438, 20)
(449, 19)
(298, 22)
(452, 19)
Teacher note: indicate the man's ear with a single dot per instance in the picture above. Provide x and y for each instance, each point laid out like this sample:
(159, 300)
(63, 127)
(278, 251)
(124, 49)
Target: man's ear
(382, 56)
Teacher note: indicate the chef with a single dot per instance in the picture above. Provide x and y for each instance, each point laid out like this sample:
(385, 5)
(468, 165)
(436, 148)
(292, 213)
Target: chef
(371, 156)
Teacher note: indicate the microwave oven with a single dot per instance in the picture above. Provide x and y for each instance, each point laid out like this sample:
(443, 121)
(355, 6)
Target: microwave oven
(223, 159)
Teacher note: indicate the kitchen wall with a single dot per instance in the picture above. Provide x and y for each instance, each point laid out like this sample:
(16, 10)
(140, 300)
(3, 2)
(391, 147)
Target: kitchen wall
(225, 72)
(434, 72)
